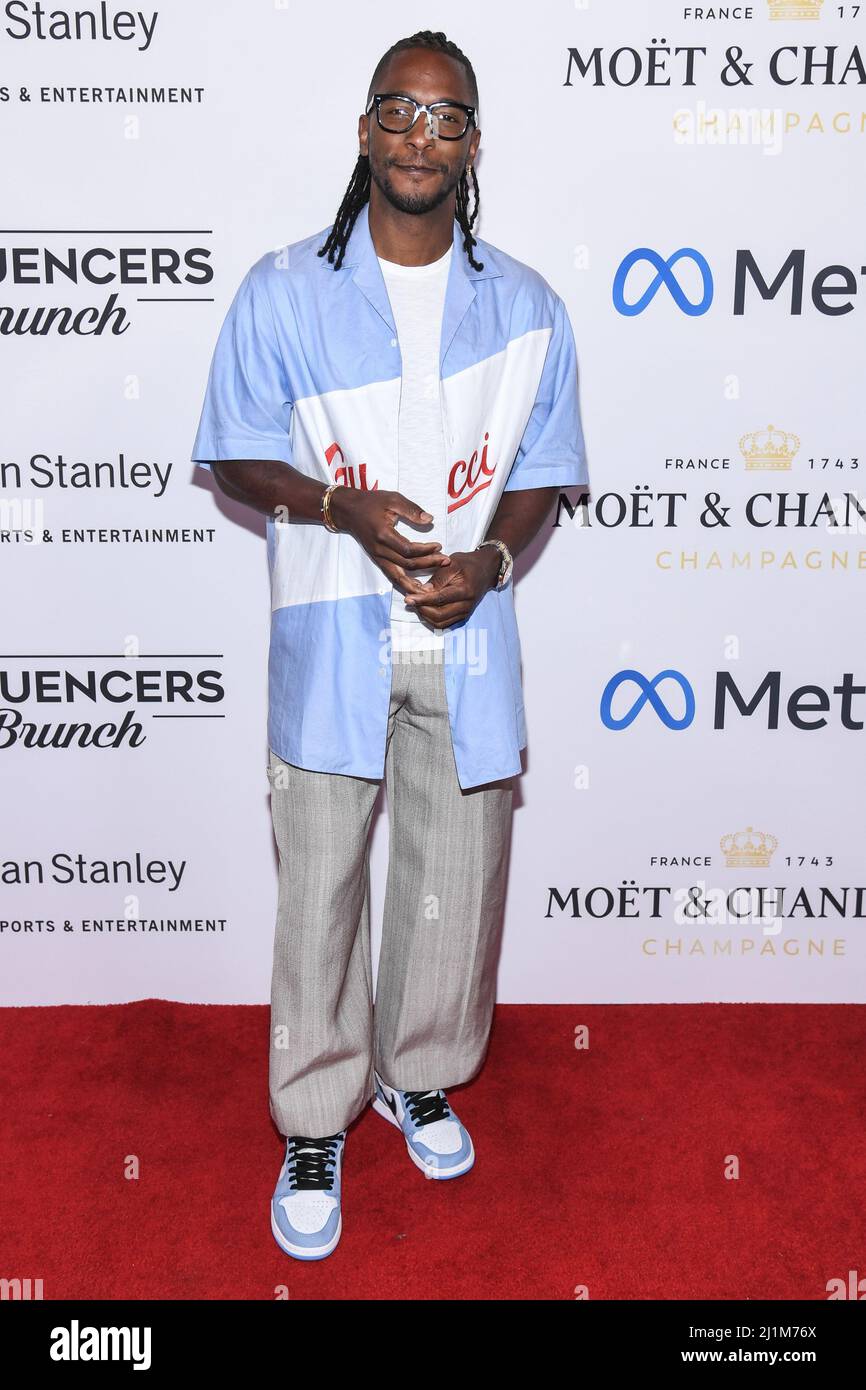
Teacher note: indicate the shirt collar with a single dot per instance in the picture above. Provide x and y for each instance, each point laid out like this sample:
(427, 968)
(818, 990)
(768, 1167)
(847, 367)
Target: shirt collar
(366, 273)
(360, 248)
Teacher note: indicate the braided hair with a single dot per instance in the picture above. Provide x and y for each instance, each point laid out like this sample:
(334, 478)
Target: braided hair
(358, 190)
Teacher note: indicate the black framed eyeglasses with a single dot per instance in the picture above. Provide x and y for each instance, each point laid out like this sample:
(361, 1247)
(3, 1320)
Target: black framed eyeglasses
(397, 113)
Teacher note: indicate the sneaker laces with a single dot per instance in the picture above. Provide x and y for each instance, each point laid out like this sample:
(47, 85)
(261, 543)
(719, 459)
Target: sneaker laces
(428, 1106)
(309, 1161)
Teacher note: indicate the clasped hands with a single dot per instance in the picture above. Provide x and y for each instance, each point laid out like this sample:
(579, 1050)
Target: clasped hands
(459, 580)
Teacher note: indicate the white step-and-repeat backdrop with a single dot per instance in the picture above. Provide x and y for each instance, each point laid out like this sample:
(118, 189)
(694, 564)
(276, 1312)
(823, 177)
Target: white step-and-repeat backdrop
(690, 180)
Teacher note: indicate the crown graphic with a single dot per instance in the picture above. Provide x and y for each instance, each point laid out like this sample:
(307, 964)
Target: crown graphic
(748, 849)
(795, 9)
(769, 448)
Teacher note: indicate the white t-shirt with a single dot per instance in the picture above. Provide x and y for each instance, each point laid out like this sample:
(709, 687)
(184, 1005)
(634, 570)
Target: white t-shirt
(417, 295)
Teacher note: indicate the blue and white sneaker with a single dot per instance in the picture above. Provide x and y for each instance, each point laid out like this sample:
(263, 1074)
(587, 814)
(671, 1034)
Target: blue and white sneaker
(305, 1208)
(437, 1142)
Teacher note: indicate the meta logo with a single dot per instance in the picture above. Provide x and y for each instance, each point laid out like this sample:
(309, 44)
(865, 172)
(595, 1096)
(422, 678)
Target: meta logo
(831, 289)
(647, 694)
(663, 276)
(805, 708)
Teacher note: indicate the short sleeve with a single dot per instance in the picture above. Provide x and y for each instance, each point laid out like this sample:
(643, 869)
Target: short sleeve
(247, 404)
(552, 451)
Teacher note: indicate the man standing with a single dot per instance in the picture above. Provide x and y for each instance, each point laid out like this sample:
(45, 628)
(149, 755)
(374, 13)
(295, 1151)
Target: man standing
(400, 399)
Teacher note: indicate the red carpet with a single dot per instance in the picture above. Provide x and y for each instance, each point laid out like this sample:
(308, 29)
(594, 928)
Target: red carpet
(602, 1168)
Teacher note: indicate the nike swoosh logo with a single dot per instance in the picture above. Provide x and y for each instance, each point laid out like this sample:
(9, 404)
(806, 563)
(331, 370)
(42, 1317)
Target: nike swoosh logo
(391, 1104)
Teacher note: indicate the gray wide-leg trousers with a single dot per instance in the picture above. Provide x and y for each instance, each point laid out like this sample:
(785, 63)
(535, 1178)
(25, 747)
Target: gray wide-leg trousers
(441, 931)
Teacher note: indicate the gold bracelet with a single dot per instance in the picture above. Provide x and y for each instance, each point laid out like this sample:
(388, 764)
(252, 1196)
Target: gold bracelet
(326, 507)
